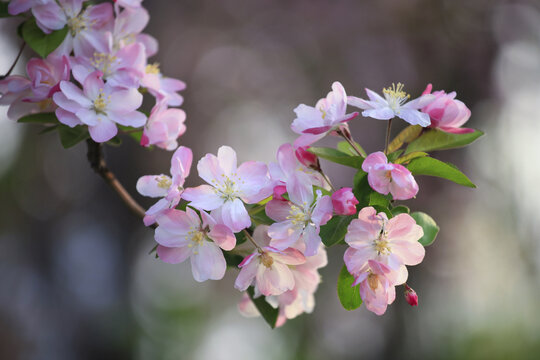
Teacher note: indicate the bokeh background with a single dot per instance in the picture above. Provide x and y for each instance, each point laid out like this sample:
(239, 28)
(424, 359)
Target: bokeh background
(76, 280)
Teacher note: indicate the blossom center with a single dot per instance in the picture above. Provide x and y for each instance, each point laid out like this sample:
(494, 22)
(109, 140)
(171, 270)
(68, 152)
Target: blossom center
(266, 260)
(373, 281)
(101, 102)
(77, 24)
(164, 182)
(395, 96)
(104, 62)
(152, 68)
(227, 189)
(297, 215)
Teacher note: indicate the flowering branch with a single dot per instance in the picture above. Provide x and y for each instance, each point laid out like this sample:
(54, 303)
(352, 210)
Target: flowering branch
(98, 164)
(2, 77)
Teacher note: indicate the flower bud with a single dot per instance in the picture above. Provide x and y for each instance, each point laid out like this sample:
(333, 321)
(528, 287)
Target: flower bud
(278, 192)
(411, 296)
(447, 113)
(344, 202)
(307, 158)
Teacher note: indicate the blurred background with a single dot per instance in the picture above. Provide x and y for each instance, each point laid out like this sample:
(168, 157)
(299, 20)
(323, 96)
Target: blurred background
(76, 280)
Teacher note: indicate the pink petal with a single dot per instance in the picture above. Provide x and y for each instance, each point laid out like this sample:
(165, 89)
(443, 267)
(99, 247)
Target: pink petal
(365, 229)
(289, 256)
(223, 236)
(374, 159)
(274, 280)
(173, 255)
(235, 215)
(312, 239)
(149, 185)
(73, 93)
(278, 210)
(203, 197)
(208, 262)
(322, 212)
(227, 160)
(104, 131)
(247, 274)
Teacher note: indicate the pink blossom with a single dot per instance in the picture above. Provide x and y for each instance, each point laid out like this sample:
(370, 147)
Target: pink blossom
(344, 202)
(16, 7)
(128, 25)
(268, 269)
(229, 187)
(247, 308)
(306, 158)
(163, 127)
(395, 103)
(168, 188)
(385, 177)
(392, 242)
(313, 123)
(163, 88)
(376, 288)
(181, 234)
(410, 296)
(299, 219)
(33, 95)
(447, 113)
(98, 105)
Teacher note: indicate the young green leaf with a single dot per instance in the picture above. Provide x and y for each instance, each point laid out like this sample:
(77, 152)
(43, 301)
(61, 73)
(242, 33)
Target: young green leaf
(393, 156)
(400, 209)
(338, 157)
(39, 118)
(361, 189)
(72, 136)
(409, 157)
(268, 313)
(407, 135)
(333, 232)
(345, 147)
(434, 139)
(42, 43)
(349, 296)
(379, 199)
(431, 229)
(433, 167)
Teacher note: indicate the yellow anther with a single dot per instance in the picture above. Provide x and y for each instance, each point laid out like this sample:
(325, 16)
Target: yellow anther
(164, 182)
(396, 96)
(266, 260)
(77, 24)
(103, 62)
(373, 281)
(297, 215)
(101, 102)
(152, 68)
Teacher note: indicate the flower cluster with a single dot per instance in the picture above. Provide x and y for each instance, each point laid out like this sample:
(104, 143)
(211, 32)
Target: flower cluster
(272, 222)
(96, 76)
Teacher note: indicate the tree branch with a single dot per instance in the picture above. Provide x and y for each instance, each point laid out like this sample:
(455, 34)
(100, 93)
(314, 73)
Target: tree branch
(97, 162)
(2, 77)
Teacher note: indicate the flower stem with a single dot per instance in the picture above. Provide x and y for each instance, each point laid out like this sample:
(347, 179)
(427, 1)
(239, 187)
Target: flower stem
(351, 142)
(248, 236)
(327, 180)
(388, 128)
(14, 63)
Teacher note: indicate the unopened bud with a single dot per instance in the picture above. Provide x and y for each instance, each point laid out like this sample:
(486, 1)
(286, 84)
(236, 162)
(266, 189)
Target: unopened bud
(411, 296)
(307, 158)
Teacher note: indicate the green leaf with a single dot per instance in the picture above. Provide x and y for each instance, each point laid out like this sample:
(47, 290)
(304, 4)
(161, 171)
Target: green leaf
(431, 229)
(400, 209)
(433, 167)
(338, 157)
(258, 214)
(72, 136)
(379, 199)
(268, 313)
(393, 156)
(434, 139)
(4, 10)
(333, 232)
(115, 141)
(39, 118)
(345, 147)
(409, 157)
(48, 129)
(349, 296)
(383, 209)
(361, 189)
(42, 43)
(407, 135)
(232, 260)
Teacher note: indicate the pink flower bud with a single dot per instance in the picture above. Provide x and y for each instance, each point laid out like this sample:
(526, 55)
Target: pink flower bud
(278, 192)
(307, 158)
(411, 296)
(344, 202)
(447, 113)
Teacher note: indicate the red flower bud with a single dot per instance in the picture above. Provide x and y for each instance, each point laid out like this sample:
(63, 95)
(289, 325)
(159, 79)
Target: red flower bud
(307, 158)
(411, 296)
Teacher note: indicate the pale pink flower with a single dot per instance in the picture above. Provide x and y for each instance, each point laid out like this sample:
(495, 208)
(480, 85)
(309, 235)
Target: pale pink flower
(230, 186)
(290, 172)
(181, 234)
(163, 88)
(247, 308)
(376, 288)
(16, 7)
(163, 127)
(447, 113)
(386, 177)
(169, 188)
(120, 68)
(268, 270)
(313, 123)
(394, 103)
(392, 242)
(128, 25)
(344, 202)
(25, 96)
(410, 296)
(299, 219)
(98, 105)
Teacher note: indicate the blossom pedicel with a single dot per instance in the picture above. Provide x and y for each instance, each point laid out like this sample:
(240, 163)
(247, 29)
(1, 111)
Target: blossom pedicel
(270, 223)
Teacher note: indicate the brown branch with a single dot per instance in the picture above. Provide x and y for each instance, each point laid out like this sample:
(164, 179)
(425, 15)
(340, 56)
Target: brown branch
(2, 77)
(97, 162)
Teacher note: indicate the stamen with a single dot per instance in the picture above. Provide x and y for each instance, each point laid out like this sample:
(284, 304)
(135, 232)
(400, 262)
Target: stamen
(396, 96)
(152, 68)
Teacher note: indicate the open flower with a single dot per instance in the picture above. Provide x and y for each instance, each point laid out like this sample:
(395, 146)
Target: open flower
(182, 235)
(163, 88)
(163, 127)
(230, 187)
(447, 113)
(168, 188)
(313, 123)
(386, 178)
(394, 103)
(299, 219)
(376, 288)
(392, 242)
(98, 105)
